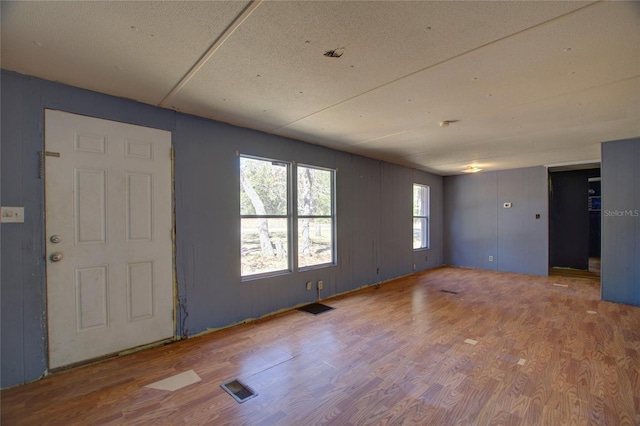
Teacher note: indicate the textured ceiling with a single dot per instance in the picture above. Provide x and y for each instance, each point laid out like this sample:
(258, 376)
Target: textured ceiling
(529, 82)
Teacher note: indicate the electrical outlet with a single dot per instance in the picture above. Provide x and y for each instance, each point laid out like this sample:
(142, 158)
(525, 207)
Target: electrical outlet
(490, 258)
(308, 285)
(320, 285)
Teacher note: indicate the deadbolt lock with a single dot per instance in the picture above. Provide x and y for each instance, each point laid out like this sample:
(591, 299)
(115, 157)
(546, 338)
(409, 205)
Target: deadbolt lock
(55, 239)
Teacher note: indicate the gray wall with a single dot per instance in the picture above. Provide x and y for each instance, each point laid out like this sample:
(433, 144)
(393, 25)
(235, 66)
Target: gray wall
(477, 226)
(373, 219)
(620, 269)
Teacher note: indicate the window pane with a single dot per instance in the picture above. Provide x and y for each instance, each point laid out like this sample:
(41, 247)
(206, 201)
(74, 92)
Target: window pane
(263, 187)
(264, 244)
(419, 233)
(418, 227)
(314, 192)
(420, 200)
(315, 242)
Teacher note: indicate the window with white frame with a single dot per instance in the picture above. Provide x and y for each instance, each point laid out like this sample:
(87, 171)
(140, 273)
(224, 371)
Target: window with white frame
(264, 216)
(420, 216)
(315, 225)
(268, 221)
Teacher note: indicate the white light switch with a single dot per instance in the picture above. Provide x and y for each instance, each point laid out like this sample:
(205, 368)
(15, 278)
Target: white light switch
(12, 214)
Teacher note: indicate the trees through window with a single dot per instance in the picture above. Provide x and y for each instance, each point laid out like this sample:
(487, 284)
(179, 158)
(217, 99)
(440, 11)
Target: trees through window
(315, 216)
(264, 216)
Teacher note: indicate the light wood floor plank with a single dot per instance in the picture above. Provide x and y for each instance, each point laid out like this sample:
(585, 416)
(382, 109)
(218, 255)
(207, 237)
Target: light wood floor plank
(393, 355)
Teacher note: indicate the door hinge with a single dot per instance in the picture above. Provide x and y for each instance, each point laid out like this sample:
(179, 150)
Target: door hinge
(40, 164)
(41, 155)
(172, 154)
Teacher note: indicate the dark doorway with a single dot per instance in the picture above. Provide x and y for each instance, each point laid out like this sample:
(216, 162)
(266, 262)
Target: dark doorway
(574, 218)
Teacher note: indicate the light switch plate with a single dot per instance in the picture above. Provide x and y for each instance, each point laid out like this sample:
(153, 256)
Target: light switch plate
(12, 214)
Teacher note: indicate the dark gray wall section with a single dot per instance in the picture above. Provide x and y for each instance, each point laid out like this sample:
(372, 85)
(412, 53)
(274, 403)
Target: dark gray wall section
(373, 219)
(359, 252)
(523, 242)
(397, 194)
(620, 273)
(13, 277)
(477, 226)
(470, 220)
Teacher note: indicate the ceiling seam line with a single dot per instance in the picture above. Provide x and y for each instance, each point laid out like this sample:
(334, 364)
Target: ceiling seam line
(441, 62)
(506, 155)
(484, 141)
(574, 92)
(234, 25)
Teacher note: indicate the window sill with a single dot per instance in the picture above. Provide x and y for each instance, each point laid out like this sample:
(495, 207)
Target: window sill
(321, 266)
(263, 276)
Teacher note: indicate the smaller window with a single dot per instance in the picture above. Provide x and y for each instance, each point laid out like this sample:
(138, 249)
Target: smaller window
(420, 216)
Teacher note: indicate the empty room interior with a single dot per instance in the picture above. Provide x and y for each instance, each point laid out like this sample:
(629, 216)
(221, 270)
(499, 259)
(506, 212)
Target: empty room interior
(320, 212)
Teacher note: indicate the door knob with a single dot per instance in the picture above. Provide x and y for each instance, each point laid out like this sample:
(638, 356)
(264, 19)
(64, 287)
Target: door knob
(56, 257)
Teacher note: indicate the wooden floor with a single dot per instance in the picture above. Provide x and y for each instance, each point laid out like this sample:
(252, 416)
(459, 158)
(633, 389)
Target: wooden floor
(548, 352)
(593, 273)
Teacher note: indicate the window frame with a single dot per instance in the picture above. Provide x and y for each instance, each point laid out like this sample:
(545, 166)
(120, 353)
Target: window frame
(426, 231)
(292, 218)
(332, 218)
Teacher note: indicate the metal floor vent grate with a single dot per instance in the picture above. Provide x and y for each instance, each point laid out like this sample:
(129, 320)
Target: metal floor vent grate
(238, 390)
(449, 291)
(315, 308)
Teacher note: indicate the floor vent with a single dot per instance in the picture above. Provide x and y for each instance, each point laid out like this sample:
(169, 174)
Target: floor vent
(315, 308)
(449, 291)
(238, 390)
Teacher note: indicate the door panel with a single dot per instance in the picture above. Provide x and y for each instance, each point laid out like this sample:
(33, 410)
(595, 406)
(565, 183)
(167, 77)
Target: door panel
(108, 202)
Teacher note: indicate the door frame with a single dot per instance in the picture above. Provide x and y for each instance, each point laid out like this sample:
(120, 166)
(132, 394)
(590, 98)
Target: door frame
(585, 167)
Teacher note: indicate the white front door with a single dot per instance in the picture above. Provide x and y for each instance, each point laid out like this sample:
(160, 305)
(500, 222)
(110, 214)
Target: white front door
(108, 236)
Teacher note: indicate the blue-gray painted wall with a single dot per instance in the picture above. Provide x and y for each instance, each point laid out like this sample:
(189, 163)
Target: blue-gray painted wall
(477, 226)
(620, 213)
(373, 219)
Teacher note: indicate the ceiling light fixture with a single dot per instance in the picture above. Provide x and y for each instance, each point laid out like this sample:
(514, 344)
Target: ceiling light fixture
(472, 169)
